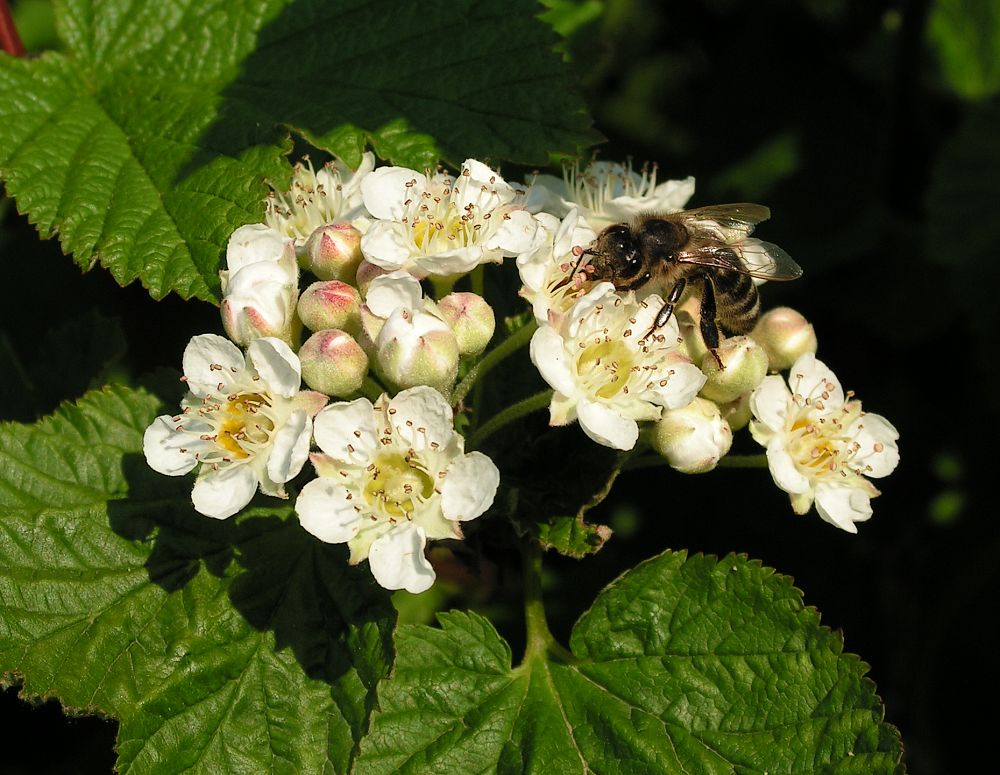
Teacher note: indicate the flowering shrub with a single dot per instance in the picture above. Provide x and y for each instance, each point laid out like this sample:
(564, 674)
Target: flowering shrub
(416, 331)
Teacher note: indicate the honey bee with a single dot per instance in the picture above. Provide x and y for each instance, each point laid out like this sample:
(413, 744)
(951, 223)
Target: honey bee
(708, 248)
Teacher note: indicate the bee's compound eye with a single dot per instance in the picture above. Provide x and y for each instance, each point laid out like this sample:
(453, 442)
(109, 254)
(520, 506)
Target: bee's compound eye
(633, 260)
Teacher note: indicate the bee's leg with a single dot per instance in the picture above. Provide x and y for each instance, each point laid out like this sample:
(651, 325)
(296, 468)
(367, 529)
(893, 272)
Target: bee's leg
(709, 324)
(668, 306)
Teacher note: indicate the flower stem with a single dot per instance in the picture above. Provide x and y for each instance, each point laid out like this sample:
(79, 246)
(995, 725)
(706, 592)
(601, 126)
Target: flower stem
(507, 347)
(508, 415)
(10, 41)
(371, 390)
(744, 461)
(541, 643)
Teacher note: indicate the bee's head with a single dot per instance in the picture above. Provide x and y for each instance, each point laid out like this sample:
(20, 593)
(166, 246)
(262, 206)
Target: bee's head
(615, 256)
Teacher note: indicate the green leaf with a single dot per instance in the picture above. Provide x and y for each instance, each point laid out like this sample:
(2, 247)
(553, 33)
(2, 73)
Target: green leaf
(148, 141)
(681, 666)
(221, 646)
(965, 35)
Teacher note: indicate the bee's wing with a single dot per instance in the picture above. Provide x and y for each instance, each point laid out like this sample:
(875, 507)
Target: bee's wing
(753, 257)
(730, 223)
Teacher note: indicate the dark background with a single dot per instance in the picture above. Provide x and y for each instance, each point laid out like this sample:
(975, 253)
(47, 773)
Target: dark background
(871, 130)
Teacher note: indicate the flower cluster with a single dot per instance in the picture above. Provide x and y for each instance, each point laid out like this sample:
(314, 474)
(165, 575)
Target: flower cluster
(347, 338)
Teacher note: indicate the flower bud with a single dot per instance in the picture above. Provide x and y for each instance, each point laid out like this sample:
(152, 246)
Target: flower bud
(694, 438)
(331, 304)
(737, 413)
(745, 365)
(417, 348)
(366, 273)
(371, 326)
(688, 319)
(471, 319)
(333, 363)
(333, 252)
(785, 335)
(259, 286)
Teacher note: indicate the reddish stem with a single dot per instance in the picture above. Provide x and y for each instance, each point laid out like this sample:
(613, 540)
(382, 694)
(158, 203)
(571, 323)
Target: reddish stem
(9, 39)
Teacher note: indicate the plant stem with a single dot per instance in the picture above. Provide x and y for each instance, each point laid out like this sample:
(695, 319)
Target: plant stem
(371, 390)
(508, 415)
(489, 361)
(10, 41)
(744, 461)
(540, 641)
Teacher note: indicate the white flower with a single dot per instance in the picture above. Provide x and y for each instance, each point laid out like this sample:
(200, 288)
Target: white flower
(693, 438)
(244, 423)
(547, 269)
(607, 372)
(260, 285)
(820, 445)
(392, 476)
(318, 198)
(439, 225)
(608, 192)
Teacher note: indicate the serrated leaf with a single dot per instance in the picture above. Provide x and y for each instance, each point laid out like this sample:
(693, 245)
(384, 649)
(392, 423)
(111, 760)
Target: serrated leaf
(147, 142)
(220, 646)
(681, 666)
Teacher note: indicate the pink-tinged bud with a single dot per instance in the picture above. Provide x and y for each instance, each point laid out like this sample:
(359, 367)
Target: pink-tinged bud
(333, 363)
(367, 272)
(331, 304)
(694, 438)
(785, 335)
(369, 329)
(745, 365)
(471, 320)
(417, 348)
(333, 252)
(688, 319)
(737, 413)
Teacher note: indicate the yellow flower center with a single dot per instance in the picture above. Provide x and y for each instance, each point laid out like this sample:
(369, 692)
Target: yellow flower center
(395, 487)
(608, 364)
(241, 423)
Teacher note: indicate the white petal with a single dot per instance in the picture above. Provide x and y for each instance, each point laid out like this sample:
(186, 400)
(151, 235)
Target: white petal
(673, 195)
(167, 450)
(397, 560)
(277, 365)
(420, 416)
(879, 454)
(345, 425)
(387, 244)
(769, 402)
(290, 447)
(783, 469)
(456, 261)
(385, 190)
(325, 512)
(516, 233)
(810, 378)
(393, 291)
(254, 243)
(562, 410)
(222, 493)
(548, 353)
(469, 487)
(211, 360)
(607, 427)
(843, 505)
(682, 386)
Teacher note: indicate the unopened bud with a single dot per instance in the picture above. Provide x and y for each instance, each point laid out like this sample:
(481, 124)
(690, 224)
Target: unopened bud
(417, 348)
(744, 365)
(785, 335)
(694, 438)
(737, 413)
(367, 272)
(371, 326)
(333, 363)
(470, 318)
(331, 304)
(333, 252)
